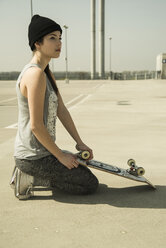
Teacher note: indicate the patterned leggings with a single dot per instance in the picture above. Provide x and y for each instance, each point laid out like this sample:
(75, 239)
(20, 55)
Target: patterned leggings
(48, 171)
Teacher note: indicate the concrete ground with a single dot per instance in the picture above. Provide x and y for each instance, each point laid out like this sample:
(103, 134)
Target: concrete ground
(118, 120)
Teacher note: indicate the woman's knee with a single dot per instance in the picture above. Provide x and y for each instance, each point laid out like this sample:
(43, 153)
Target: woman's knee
(91, 184)
(89, 187)
(87, 184)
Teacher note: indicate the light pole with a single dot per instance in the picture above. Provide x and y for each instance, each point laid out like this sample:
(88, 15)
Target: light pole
(93, 39)
(31, 8)
(66, 58)
(110, 74)
(102, 39)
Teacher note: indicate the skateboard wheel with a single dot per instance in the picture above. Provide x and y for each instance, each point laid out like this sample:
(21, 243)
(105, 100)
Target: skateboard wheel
(85, 154)
(131, 162)
(140, 171)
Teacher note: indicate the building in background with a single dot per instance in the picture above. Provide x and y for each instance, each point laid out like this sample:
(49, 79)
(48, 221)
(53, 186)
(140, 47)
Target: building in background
(161, 66)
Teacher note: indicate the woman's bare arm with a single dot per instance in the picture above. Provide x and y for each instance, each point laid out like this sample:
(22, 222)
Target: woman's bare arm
(67, 121)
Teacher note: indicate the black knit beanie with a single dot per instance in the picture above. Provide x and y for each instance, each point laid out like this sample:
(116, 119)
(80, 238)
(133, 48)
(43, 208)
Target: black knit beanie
(39, 27)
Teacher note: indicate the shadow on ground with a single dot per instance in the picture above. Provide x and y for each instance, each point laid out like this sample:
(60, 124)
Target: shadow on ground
(130, 197)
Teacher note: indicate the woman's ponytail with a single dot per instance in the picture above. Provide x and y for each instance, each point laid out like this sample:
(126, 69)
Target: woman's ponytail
(52, 81)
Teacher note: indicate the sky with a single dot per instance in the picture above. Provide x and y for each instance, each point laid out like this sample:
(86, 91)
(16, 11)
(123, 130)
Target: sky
(137, 29)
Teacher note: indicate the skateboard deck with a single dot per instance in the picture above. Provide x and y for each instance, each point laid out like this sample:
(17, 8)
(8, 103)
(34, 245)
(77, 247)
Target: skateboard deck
(133, 173)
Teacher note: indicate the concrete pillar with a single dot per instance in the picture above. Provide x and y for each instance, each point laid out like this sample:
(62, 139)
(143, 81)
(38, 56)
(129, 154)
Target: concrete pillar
(101, 39)
(93, 39)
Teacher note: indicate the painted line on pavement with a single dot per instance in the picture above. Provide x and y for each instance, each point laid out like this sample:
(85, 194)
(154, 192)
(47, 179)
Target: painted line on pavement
(80, 102)
(13, 126)
(74, 99)
(99, 86)
(8, 100)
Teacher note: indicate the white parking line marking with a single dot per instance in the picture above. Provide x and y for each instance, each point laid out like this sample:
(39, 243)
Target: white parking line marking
(80, 102)
(99, 86)
(13, 126)
(8, 100)
(74, 99)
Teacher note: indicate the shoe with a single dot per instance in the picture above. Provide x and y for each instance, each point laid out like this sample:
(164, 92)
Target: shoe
(22, 184)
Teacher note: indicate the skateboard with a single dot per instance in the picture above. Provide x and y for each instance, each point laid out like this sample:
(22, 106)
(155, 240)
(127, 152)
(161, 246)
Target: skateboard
(134, 172)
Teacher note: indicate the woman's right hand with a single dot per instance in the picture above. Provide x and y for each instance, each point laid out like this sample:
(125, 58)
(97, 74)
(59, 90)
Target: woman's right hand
(68, 160)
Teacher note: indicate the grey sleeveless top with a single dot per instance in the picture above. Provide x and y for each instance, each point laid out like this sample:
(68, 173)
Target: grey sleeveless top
(26, 144)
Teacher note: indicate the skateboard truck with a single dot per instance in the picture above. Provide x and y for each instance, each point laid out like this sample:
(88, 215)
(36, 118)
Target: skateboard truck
(134, 169)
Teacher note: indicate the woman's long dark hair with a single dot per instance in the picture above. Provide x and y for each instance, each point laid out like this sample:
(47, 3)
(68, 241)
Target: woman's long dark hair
(52, 81)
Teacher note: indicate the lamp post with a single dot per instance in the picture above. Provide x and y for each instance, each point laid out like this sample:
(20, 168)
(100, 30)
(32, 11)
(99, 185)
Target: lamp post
(110, 74)
(31, 8)
(66, 58)
(93, 39)
(102, 39)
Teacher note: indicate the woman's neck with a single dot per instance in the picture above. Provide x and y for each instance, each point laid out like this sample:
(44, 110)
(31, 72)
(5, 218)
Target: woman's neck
(38, 59)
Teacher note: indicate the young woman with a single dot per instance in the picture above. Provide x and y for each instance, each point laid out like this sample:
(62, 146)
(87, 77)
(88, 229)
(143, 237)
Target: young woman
(39, 103)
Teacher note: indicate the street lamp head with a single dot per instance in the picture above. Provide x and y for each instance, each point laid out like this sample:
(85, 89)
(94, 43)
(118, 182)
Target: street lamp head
(65, 26)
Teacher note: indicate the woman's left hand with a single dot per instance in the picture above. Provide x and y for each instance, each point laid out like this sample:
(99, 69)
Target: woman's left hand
(83, 147)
